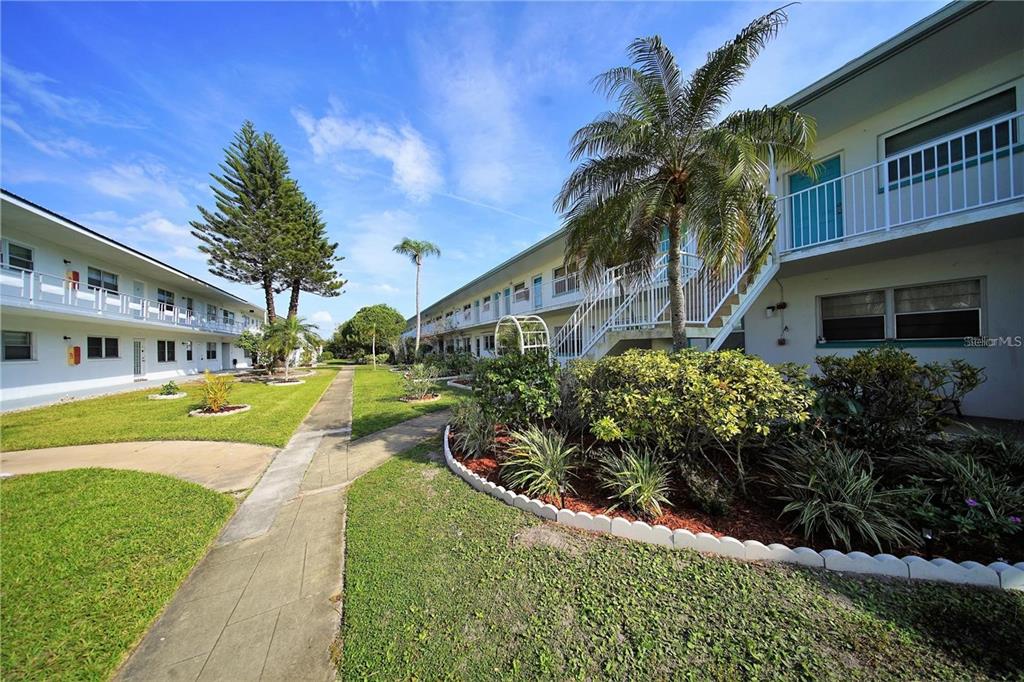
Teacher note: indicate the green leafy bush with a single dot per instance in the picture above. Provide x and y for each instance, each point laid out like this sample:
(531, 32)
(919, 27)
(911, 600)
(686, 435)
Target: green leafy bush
(539, 463)
(216, 391)
(451, 364)
(568, 413)
(831, 493)
(368, 359)
(517, 389)
(694, 401)
(637, 478)
(170, 388)
(882, 398)
(474, 429)
(419, 382)
(326, 356)
(705, 490)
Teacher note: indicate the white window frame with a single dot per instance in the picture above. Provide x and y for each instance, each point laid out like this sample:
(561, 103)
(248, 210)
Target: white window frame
(167, 344)
(7, 255)
(890, 313)
(520, 292)
(31, 346)
(569, 278)
(103, 347)
(211, 346)
(189, 356)
(116, 276)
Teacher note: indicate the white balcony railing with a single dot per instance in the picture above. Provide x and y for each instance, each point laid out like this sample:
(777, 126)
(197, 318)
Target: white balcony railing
(28, 288)
(969, 169)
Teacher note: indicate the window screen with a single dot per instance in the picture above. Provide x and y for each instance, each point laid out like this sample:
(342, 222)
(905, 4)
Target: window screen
(939, 311)
(853, 317)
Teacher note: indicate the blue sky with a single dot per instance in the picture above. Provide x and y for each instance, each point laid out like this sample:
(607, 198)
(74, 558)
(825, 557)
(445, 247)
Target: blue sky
(447, 122)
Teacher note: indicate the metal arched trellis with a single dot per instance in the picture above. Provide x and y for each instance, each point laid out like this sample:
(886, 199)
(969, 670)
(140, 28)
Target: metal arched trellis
(530, 331)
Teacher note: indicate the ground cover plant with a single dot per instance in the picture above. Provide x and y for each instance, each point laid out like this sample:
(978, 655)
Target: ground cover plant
(377, 401)
(133, 417)
(90, 557)
(725, 443)
(461, 586)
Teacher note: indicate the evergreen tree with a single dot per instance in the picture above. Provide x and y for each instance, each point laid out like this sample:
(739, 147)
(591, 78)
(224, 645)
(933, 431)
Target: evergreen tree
(258, 209)
(308, 259)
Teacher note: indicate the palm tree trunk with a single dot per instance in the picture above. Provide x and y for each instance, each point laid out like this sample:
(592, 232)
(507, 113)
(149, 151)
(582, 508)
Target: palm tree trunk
(416, 350)
(677, 299)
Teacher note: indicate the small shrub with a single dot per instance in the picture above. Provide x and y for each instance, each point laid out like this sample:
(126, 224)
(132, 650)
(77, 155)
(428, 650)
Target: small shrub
(540, 463)
(452, 364)
(705, 490)
(606, 429)
(306, 358)
(517, 389)
(636, 478)
(567, 412)
(326, 356)
(381, 358)
(170, 388)
(833, 493)
(216, 391)
(419, 381)
(474, 430)
(882, 398)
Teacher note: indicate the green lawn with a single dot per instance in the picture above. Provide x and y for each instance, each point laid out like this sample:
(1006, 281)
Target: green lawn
(275, 414)
(376, 402)
(90, 557)
(460, 586)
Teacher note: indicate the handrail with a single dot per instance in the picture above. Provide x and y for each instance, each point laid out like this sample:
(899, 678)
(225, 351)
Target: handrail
(41, 287)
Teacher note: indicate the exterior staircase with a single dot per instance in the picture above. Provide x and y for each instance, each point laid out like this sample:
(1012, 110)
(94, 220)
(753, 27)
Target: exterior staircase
(621, 308)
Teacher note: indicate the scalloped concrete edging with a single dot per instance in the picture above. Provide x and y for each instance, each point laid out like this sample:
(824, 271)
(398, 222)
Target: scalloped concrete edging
(290, 382)
(210, 415)
(173, 396)
(462, 387)
(996, 574)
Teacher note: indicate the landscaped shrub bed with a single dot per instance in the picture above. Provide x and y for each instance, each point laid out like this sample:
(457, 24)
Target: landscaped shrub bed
(721, 442)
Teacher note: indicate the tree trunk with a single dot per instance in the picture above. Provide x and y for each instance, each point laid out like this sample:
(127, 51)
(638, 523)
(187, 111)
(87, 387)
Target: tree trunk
(416, 350)
(677, 299)
(268, 292)
(293, 301)
(373, 348)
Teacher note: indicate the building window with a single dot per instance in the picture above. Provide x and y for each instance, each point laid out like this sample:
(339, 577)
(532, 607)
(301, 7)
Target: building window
(101, 279)
(211, 313)
(853, 317)
(20, 257)
(165, 299)
(958, 149)
(188, 351)
(938, 311)
(211, 350)
(17, 345)
(520, 292)
(165, 351)
(566, 279)
(489, 342)
(100, 347)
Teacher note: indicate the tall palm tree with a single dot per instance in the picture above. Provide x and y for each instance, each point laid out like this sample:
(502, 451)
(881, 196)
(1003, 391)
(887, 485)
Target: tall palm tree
(416, 250)
(667, 161)
(285, 335)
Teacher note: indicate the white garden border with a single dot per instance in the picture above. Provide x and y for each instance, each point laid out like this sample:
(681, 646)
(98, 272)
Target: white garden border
(996, 574)
(210, 415)
(461, 387)
(282, 382)
(172, 396)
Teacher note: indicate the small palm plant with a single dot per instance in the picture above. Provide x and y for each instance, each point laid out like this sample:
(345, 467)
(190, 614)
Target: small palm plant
(540, 463)
(216, 391)
(637, 478)
(287, 335)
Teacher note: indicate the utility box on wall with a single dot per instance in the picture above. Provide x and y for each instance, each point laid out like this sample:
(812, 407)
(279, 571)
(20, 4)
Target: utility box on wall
(74, 355)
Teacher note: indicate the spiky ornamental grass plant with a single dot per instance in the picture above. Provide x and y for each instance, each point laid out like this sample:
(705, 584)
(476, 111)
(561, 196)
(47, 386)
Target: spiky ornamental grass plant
(637, 478)
(474, 429)
(665, 162)
(831, 492)
(540, 463)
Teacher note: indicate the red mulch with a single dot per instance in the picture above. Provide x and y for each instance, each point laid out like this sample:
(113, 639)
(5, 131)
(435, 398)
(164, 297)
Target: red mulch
(743, 522)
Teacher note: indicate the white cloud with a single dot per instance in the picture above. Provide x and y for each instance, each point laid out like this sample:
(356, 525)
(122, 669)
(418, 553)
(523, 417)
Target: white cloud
(151, 232)
(323, 320)
(38, 89)
(57, 146)
(370, 240)
(415, 169)
(138, 180)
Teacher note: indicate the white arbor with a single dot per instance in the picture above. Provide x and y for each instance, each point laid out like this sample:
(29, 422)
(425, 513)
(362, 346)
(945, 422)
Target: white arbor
(528, 332)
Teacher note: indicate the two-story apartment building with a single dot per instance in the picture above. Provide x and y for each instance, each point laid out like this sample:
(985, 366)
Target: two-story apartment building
(82, 313)
(911, 233)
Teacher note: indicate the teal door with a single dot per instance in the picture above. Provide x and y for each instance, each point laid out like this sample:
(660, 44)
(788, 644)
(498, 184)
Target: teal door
(816, 206)
(508, 301)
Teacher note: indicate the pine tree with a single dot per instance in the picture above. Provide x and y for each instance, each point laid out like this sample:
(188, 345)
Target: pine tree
(256, 210)
(308, 259)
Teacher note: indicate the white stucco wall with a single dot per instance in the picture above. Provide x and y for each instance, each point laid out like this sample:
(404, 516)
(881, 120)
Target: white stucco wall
(1000, 263)
(49, 373)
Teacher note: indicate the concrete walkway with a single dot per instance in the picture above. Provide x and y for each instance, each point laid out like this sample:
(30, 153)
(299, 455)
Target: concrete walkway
(225, 467)
(265, 602)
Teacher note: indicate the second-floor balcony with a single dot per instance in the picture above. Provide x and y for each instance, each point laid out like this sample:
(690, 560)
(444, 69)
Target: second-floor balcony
(29, 289)
(971, 169)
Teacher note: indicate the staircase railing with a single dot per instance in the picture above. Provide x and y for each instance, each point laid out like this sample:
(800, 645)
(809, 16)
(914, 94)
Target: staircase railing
(590, 314)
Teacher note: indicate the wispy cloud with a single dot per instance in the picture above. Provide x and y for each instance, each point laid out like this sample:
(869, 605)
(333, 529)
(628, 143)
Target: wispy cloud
(57, 146)
(152, 232)
(415, 168)
(40, 90)
(138, 180)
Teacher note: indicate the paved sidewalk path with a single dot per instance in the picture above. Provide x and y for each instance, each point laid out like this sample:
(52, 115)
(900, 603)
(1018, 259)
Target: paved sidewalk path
(267, 605)
(225, 467)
